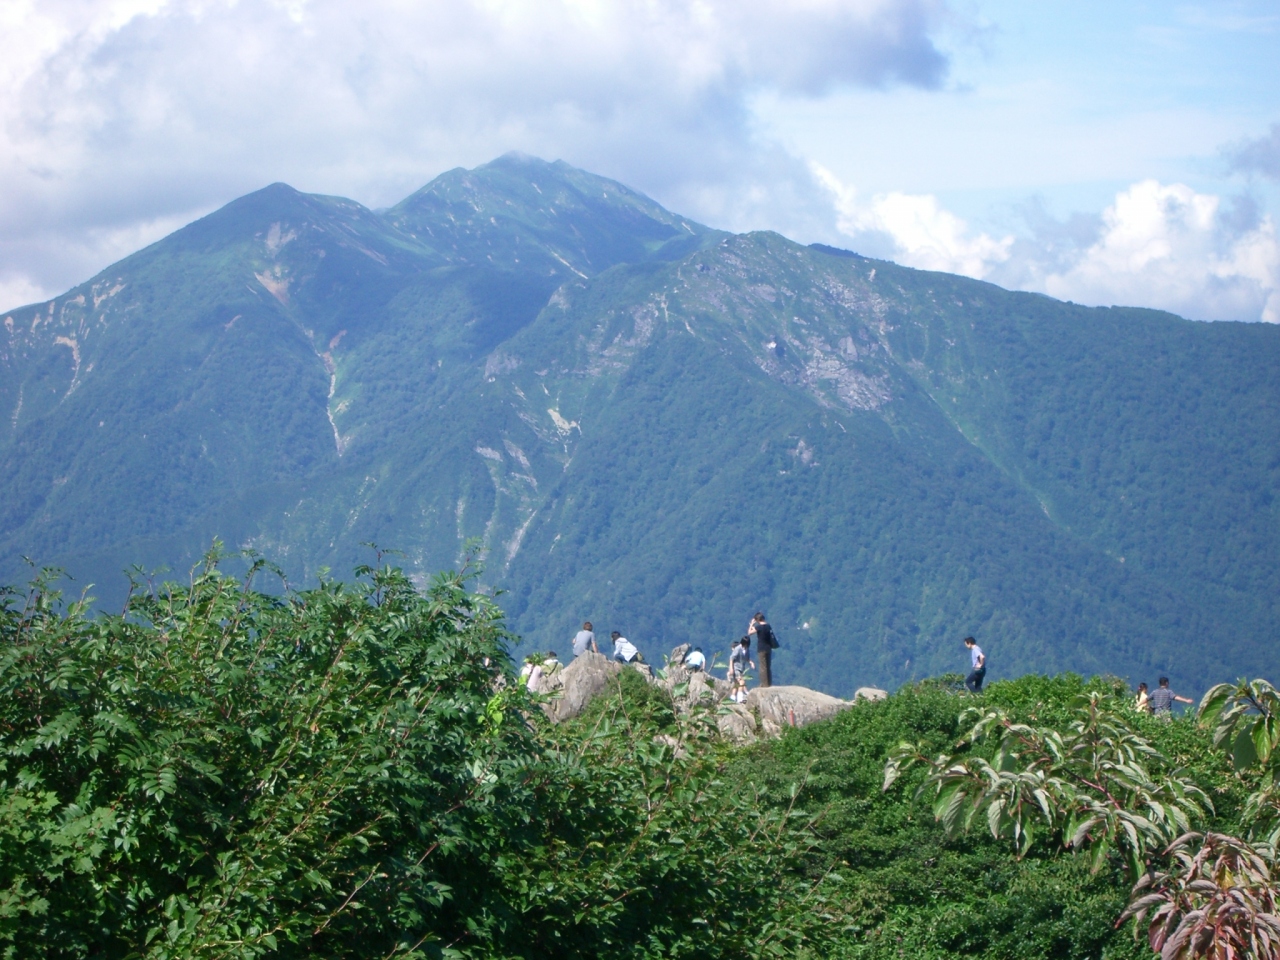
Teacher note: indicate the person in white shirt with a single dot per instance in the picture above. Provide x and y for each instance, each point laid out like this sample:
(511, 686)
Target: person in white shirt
(624, 650)
(695, 660)
(978, 661)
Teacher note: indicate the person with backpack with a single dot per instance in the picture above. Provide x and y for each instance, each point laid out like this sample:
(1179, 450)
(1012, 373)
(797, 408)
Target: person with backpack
(978, 663)
(766, 643)
(739, 662)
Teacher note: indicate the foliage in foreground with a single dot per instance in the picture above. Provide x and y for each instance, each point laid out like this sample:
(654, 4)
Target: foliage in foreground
(918, 890)
(348, 772)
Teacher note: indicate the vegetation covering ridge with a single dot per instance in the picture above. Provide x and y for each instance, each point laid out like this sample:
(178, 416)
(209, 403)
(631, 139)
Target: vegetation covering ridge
(659, 427)
(352, 771)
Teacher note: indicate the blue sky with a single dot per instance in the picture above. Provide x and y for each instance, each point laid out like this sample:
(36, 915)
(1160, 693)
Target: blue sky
(1100, 152)
(1071, 102)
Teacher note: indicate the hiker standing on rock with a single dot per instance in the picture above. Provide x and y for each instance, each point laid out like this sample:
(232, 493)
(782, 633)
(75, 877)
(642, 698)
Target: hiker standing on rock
(978, 662)
(585, 640)
(766, 643)
(739, 662)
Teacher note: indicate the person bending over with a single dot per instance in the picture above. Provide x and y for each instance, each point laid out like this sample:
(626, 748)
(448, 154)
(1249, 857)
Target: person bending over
(624, 650)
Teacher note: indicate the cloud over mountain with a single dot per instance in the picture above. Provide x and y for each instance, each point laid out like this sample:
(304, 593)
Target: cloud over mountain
(120, 117)
(1157, 245)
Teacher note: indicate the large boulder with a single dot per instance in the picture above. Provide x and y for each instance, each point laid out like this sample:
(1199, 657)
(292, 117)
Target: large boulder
(703, 688)
(588, 676)
(736, 723)
(870, 693)
(780, 707)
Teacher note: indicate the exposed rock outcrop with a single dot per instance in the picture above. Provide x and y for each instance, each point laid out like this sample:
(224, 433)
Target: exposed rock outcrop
(580, 682)
(780, 707)
(766, 712)
(737, 723)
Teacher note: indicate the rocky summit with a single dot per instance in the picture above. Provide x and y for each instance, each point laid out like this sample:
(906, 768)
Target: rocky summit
(638, 420)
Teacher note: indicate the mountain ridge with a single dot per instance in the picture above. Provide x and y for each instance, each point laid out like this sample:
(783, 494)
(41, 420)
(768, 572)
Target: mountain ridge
(651, 423)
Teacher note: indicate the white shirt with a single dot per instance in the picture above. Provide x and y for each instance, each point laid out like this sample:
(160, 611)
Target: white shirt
(624, 648)
(694, 660)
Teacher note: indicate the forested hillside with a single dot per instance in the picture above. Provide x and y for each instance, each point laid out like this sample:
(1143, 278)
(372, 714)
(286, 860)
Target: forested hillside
(661, 428)
(351, 771)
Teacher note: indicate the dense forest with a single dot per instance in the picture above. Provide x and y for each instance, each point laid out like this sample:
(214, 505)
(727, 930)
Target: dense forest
(659, 427)
(230, 768)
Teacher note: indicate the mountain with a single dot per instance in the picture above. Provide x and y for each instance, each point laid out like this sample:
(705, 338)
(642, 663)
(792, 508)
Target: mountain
(660, 427)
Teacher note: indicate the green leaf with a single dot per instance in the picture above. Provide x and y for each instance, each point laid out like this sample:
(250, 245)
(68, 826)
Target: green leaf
(1244, 754)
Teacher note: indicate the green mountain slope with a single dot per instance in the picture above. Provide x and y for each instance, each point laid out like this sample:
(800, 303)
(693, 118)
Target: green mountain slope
(661, 428)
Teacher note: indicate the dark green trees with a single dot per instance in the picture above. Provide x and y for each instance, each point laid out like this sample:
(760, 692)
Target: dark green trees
(350, 772)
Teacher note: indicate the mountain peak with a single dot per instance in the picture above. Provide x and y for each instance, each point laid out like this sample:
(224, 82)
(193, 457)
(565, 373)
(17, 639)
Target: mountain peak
(519, 207)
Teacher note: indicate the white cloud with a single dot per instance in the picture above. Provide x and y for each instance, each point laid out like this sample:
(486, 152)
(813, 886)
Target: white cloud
(1156, 245)
(115, 112)
(1168, 246)
(914, 229)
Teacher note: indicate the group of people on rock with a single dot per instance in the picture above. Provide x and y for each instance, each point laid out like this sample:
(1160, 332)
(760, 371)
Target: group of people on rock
(1158, 702)
(740, 657)
(624, 651)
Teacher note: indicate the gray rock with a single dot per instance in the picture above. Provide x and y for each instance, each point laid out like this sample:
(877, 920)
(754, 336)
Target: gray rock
(703, 687)
(870, 693)
(588, 676)
(736, 722)
(780, 707)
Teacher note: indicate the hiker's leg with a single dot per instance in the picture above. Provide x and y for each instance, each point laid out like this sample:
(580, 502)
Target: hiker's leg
(971, 682)
(766, 667)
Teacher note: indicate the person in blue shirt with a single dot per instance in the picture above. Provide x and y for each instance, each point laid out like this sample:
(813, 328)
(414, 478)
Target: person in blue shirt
(739, 662)
(978, 666)
(1163, 699)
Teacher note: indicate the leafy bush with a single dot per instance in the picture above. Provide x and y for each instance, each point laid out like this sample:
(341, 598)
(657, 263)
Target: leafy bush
(223, 773)
(350, 771)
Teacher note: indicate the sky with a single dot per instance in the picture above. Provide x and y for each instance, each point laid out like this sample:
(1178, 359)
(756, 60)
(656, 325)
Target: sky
(1105, 153)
